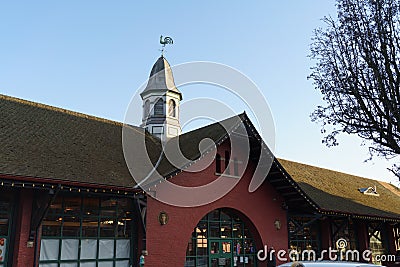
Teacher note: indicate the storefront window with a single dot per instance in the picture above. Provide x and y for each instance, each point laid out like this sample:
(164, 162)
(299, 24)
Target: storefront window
(87, 231)
(344, 229)
(376, 235)
(221, 238)
(303, 236)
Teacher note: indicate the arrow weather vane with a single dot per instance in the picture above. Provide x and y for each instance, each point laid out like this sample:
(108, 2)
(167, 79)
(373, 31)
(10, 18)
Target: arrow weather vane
(165, 41)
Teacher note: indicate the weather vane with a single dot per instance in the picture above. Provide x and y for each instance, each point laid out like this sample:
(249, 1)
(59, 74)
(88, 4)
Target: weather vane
(165, 41)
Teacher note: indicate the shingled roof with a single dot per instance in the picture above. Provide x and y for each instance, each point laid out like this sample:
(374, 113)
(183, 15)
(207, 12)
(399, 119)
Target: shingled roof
(60, 146)
(57, 145)
(338, 192)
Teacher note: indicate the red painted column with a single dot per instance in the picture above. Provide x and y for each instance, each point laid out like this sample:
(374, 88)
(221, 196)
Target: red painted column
(23, 255)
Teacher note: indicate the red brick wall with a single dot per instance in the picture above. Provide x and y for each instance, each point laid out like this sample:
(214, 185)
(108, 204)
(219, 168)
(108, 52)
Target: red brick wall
(23, 256)
(166, 244)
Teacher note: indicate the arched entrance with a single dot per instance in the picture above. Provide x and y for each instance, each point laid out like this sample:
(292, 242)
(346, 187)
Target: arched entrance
(222, 238)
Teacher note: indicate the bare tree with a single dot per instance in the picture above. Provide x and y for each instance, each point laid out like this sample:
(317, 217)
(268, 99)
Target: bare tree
(358, 73)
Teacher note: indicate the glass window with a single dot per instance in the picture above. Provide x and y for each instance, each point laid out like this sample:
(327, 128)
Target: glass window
(304, 235)
(218, 163)
(376, 234)
(221, 234)
(80, 230)
(227, 161)
(159, 107)
(146, 109)
(172, 108)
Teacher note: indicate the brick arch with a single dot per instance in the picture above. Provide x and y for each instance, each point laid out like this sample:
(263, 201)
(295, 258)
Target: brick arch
(247, 221)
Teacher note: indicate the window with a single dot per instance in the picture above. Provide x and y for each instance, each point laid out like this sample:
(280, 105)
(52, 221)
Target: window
(235, 167)
(221, 234)
(146, 111)
(344, 228)
(376, 235)
(218, 163)
(85, 231)
(159, 107)
(172, 108)
(227, 159)
(304, 235)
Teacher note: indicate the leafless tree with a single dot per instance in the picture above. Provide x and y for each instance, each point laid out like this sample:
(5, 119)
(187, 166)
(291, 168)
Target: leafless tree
(357, 70)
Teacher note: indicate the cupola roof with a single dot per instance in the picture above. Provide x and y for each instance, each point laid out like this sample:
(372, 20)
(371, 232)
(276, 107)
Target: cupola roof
(161, 78)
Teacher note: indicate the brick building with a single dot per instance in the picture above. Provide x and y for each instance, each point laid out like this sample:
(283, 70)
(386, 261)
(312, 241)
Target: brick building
(68, 198)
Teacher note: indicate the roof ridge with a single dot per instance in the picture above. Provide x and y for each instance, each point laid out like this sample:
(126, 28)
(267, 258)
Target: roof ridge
(217, 122)
(57, 109)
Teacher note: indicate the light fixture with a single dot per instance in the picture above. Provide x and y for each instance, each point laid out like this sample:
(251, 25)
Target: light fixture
(163, 218)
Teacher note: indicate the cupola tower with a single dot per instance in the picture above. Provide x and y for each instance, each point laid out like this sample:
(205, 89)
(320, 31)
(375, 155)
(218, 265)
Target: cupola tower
(161, 101)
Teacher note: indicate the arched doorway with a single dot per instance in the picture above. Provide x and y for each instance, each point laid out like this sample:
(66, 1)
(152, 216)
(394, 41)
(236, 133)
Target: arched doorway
(221, 238)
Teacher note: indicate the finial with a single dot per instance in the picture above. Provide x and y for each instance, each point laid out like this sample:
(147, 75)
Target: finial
(163, 42)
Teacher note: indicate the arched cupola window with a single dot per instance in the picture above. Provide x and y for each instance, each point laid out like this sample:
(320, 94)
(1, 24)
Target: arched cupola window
(172, 108)
(227, 161)
(159, 107)
(218, 163)
(146, 111)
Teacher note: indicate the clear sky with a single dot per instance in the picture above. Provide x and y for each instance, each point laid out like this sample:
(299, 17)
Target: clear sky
(92, 56)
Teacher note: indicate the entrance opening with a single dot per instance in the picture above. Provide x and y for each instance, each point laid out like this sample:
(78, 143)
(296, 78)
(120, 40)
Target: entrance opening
(221, 238)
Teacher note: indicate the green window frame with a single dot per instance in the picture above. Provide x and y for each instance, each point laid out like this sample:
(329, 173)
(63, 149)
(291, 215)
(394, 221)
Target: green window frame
(220, 225)
(89, 231)
(304, 235)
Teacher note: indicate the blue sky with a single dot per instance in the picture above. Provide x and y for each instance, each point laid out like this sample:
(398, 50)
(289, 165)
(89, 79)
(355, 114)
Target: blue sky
(92, 56)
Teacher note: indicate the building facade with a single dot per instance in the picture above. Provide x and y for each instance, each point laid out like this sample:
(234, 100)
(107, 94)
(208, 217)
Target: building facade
(68, 198)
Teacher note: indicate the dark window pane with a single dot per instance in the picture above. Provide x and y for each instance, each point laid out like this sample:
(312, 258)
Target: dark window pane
(124, 227)
(56, 206)
(72, 206)
(91, 206)
(237, 230)
(214, 215)
(218, 163)
(226, 230)
(225, 217)
(71, 226)
(159, 108)
(191, 248)
(4, 206)
(109, 207)
(90, 227)
(214, 229)
(107, 228)
(51, 225)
